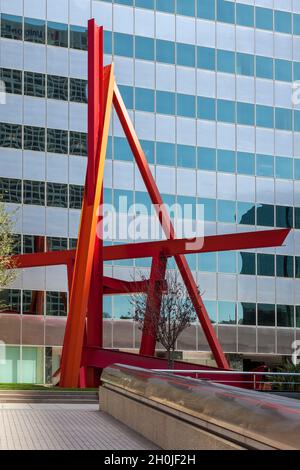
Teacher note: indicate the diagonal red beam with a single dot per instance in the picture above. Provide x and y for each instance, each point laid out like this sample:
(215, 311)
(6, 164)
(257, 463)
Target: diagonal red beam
(118, 286)
(227, 242)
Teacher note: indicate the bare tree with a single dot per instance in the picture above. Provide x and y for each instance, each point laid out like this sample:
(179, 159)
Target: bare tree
(7, 274)
(176, 313)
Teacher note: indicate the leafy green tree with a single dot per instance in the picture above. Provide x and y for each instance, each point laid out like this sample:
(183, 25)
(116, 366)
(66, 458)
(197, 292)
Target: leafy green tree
(7, 271)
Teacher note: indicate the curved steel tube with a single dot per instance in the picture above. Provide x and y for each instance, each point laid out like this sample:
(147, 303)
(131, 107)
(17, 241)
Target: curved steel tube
(273, 421)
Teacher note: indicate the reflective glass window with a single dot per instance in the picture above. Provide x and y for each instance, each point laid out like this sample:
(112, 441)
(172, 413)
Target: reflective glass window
(57, 34)
(144, 48)
(264, 67)
(78, 38)
(296, 24)
(56, 243)
(245, 114)
(165, 153)
(56, 303)
(122, 150)
(245, 163)
(185, 55)
(165, 51)
(297, 217)
(185, 7)
(246, 313)
(148, 148)
(11, 26)
(78, 143)
(265, 215)
(244, 64)
(107, 42)
(296, 66)
(283, 119)
(225, 11)
(297, 168)
(264, 18)
(265, 265)
(297, 316)
(57, 141)
(11, 190)
(283, 21)
(186, 105)
(34, 30)
(245, 213)
(284, 266)
(208, 262)
(165, 102)
(246, 263)
(122, 307)
(57, 195)
(127, 95)
(227, 262)
(226, 161)
(225, 61)
(75, 196)
(210, 210)
(166, 5)
(144, 99)
(285, 316)
(206, 9)
(186, 156)
(264, 165)
(226, 211)
(283, 70)
(226, 110)
(32, 244)
(10, 135)
(10, 300)
(227, 313)
(145, 4)
(17, 244)
(284, 216)
(57, 88)
(34, 84)
(264, 116)
(12, 80)
(34, 192)
(284, 167)
(206, 58)
(107, 306)
(244, 15)
(211, 307)
(78, 90)
(206, 108)
(206, 158)
(297, 121)
(34, 138)
(265, 315)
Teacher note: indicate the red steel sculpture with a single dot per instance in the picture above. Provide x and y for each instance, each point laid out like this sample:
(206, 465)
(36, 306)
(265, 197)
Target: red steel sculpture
(83, 355)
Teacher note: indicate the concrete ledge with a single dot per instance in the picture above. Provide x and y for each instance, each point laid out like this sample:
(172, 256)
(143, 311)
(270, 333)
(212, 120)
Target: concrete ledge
(167, 430)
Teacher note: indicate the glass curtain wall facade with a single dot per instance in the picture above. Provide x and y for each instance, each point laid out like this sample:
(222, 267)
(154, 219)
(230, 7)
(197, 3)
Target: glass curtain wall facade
(212, 88)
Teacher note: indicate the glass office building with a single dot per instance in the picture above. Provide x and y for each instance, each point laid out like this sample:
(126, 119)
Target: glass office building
(213, 90)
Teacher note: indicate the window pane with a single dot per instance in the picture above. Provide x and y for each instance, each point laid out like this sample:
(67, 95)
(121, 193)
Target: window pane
(10, 300)
(144, 99)
(246, 213)
(246, 263)
(245, 114)
(57, 34)
(206, 158)
(206, 108)
(34, 84)
(57, 195)
(225, 11)
(284, 216)
(165, 102)
(264, 116)
(10, 135)
(226, 211)
(283, 70)
(227, 262)
(165, 51)
(186, 156)
(226, 61)
(245, 163)
(34, 30)
(266, 315)
(56, 243)
(244, 64)
(166, 5)
(285, 316)
(78, 38)
(265, 265)
(127, 95)
(264, 165)
(284, 167)
(11, 26)
(56, 304)
(148, 148)
(208, 262)
(75, 196)
(78, 90)
(284, 266)
(34, 138)
(282, 21)
(186, 105)
(206, 58)
(34, 192)
(226, 161)
(145, 3)
(209, 209)
(283, 119)
(57, 88)
(186, 55)
(244, 15)
(264, 18)
(122, 150)
(186, 7)
(226, 110)
(78, 143)
(57, 141)
(206, 9)
(227, 313)
(264, 67)
(165, 154)
(144, 48)
(11, 190)
(246, 313)
(12, 80)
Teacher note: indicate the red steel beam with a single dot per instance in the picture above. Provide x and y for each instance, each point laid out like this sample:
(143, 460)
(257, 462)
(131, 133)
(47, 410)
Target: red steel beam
(211, 243)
